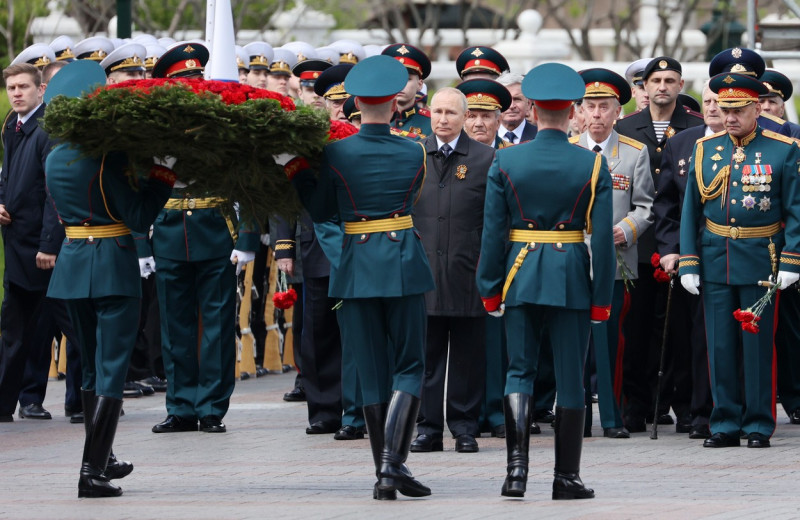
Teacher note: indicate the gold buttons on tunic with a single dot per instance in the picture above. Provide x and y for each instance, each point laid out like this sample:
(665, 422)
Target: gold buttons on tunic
(658, 170)
(189, 213)
(561, 226)
(733, 221)
(658, 149)
(530, 225)
(735, 183)
(363, 237)
(394, 235)
(558, 245)
(733, 201)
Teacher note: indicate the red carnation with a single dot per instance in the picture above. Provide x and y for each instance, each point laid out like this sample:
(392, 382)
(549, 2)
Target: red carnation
(284, 299)
(745, 316)
(661, 276)
(655, 260)
(750, 327)
(340, 130)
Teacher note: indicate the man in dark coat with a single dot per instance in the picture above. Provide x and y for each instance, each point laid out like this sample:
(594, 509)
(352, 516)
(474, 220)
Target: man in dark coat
(31, 237)
(449, 216)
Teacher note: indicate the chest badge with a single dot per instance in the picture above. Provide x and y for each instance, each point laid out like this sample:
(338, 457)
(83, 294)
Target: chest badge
(716, 157)
(758, 157)
(461, 172)
(682, 163)
(749, 202)
(764, 204)
(739, 156)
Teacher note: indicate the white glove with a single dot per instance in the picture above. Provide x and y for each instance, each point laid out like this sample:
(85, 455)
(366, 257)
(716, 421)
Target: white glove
(283, 159)
(691, 282)
(147, 266)
(242, 258)
(167, 161)
(786, 279)
(265, 239)
(499, 312)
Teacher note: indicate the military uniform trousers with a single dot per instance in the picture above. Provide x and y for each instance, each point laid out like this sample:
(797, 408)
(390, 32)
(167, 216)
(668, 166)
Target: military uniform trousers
(106, 329)
(387, 338)
(352, 403)
(787, 349)
(568, 330)
(750, 409)
(190, 293)
(452, 345)
(496, 367)
(609, 347)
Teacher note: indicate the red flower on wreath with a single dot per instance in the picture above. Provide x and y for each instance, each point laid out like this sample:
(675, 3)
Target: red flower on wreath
(284, 299)
(340, 130)
(659, 274)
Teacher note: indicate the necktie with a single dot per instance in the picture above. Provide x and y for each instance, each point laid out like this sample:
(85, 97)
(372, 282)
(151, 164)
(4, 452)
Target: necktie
(19, 126)
(446, 150)
(597, 148)
(510, 137)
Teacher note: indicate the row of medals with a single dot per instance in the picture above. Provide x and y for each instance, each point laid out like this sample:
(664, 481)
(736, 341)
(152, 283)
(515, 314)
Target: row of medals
(755, 181)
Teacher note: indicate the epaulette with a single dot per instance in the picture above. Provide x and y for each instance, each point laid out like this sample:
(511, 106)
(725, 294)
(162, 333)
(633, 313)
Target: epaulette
(693, 112)
(631, 142)
(712, 136)
(773, 118)
(574, 139)
(631, 114)
(778, 137)
(424, 112)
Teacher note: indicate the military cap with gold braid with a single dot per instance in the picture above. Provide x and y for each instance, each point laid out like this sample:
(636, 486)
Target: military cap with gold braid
(330, 84)
(740, 61)
(553, 86)
(777, 84)
(302, 50)
(62, 47)
(310, 70)
(349, 51)
(282, 62)
(154, 52)
(129, 57)
(661, 64)
(412, 58)
(260, 55)
(601, 83)
(182, 60)
(635, 70)
(350, 109)
(242, 59)
(480, 59)
(94, 48)
(39, 54)
(485, 94)
(736, 90)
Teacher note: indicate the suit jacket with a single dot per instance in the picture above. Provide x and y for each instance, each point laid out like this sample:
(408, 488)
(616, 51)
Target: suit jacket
(762, 189)
(449, 216)
(288, 236)
(629, 166)
(93, 192)
(368, 176)
(671, 189)
(545, 185)
(639, 126)
(34, 224)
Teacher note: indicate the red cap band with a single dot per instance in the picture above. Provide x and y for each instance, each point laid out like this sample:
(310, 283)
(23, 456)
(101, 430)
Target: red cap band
(555, 104)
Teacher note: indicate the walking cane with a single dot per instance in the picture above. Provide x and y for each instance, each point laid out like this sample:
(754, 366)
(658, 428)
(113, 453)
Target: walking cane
(654, 433)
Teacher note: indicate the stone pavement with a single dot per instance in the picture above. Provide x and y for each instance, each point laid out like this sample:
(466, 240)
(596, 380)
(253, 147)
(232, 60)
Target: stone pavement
(266, 467)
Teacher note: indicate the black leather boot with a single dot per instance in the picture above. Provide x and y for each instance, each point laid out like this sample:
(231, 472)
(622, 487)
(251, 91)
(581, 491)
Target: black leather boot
(567, 483)
(399, 429)
(375, 418)
(93, 481)
(517, 411)
(115, 468)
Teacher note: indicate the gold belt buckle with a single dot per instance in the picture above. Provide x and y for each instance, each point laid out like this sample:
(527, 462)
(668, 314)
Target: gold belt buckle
(734, 233)
(191, 204)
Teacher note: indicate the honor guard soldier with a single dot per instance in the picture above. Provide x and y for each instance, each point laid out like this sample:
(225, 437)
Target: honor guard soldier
(260, 59)
(39, 55)
(632, 199)
(409, 118)
(196, 282)
(96, 275)
(62, 48)
(744, 185)
(541, 197)
(382, 318)
(94, 48)
(480, 62)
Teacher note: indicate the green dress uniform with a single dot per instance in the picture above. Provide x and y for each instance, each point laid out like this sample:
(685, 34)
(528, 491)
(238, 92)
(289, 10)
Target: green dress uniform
(383, 272)
(196, 283)
(541, 196)
(414, 121)
(745, 190)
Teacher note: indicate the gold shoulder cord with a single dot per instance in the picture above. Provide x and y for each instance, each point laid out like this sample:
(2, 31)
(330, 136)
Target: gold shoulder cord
(103, 192)
(598, 161)
(718, 186)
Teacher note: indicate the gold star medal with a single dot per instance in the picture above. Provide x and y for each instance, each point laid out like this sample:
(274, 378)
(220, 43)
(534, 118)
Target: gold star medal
(758, 157)
(461, 172)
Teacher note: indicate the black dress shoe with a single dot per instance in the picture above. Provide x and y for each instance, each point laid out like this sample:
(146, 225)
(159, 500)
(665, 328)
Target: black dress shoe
(683, 425)
(722, 440)
(321, 427)
(131, 390)
(499, 431)
(296, 395)
(116, 469)
(425, 443)
(77, 418)
(701, 431)
(349, 433)
(665, 419)
(616, 433)
(466, 443)
(535, 428)
(635, 424)
(757, 440)
(156, 383)
(261, 372)
(794, 417)
(34, 411)
(174, 424)
(212, 424)
(544, 416)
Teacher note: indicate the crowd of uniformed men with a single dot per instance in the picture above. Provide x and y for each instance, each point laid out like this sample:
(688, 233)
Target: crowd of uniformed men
(455, 230)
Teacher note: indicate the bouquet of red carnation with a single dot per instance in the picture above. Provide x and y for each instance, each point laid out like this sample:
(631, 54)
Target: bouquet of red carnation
(750, 317)
(340, 130)
(659, 274)
(284, 297)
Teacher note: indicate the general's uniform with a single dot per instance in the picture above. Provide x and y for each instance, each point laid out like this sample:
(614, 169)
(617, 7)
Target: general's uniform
(543, 207)
(414, 120)
(745, 189)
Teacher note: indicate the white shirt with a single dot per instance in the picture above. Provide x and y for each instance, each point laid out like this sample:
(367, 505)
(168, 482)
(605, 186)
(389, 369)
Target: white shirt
(502, 131)
(24, 119)
(440, 143)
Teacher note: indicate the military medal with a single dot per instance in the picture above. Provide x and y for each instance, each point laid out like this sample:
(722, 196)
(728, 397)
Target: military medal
(461, 171)
(669, 132)
(749, 202)
(716, 157)
(682, 163)
(714, 168)
(719, 148)
(758, 157)
(739, 155)
(764, 204)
